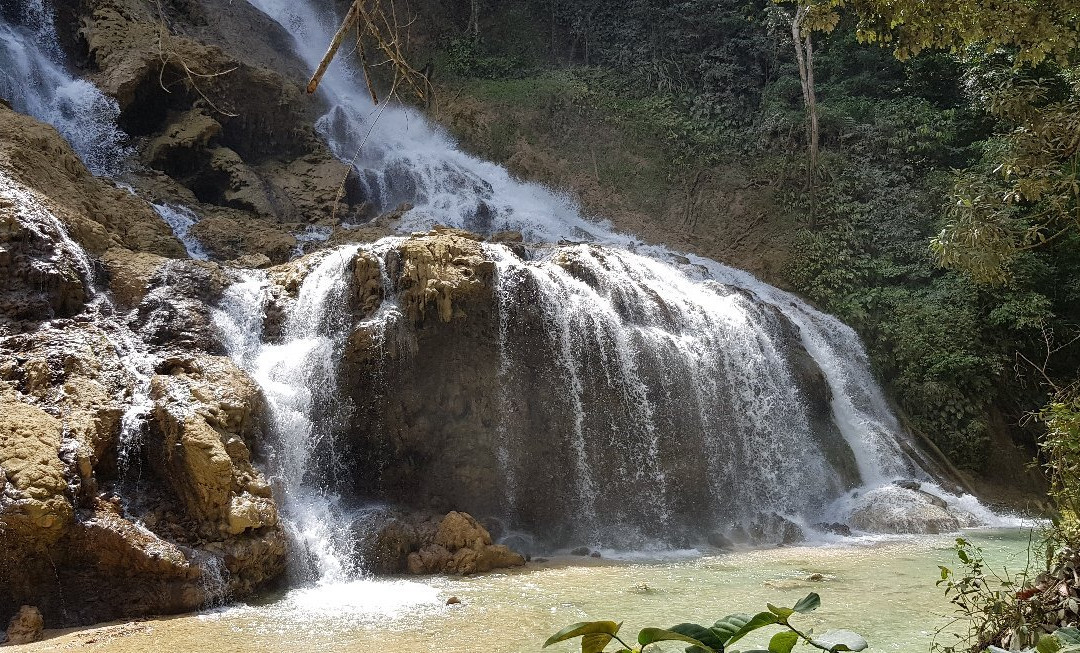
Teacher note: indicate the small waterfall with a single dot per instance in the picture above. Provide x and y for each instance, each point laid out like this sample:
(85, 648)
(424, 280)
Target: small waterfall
(34, 80)
(298, 377)
(215, 581)
(181, 219)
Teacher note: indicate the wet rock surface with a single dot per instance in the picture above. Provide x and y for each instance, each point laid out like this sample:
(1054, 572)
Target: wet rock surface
(900, 509)
(440, 386)
(125, 469)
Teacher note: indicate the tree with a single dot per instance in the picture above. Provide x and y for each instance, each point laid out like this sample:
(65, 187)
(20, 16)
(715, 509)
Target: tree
(1027, 190)
(804, 55)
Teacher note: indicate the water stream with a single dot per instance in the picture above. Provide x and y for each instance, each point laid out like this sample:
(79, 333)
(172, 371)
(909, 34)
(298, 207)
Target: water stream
(881, 589)
(34, 80)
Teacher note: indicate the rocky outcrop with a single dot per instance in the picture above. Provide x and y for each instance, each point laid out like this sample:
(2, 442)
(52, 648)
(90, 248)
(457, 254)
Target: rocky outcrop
(125, 467)
(97, 214)
(444, 271)
(460, 371)
(428, 544)
(210, 107)
(205, 410)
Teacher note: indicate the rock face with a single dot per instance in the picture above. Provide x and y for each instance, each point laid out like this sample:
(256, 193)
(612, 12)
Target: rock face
(125, 461)
(472, 392)
(424, 544)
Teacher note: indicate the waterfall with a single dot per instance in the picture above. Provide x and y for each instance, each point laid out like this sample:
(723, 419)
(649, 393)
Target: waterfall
(696, 346)
(33, 79)
(298, 377)
(181, 219)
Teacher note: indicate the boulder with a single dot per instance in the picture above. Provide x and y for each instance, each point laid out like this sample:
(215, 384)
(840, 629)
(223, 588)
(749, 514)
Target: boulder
(894, 509)
(418, 543)
(26, 626)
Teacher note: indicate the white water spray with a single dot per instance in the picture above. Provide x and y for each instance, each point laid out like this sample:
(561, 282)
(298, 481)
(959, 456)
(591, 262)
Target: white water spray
(33, 79)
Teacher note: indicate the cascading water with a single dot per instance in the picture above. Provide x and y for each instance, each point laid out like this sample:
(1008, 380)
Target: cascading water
(298, 377)
(33, 79)
(701, 348)
(181, 219)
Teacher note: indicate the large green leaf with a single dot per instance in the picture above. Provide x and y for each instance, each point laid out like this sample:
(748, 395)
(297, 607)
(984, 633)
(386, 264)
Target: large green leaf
(583, 628)
(760, 620)
(808, 604)
(781, 613)
(652, 635)
(1048, 644)
(783, 642)
(1067, 636)
(729, 625)
(594, 642)
(706, 636)
(841, 640)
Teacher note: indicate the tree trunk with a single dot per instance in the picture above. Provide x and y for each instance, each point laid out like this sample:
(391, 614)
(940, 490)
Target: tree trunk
(804, 54)
(474, 19)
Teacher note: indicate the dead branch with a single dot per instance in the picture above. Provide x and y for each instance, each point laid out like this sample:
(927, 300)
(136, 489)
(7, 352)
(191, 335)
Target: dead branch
(376, 24)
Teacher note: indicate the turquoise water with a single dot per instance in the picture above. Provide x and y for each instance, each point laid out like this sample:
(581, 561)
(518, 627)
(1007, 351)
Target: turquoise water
(884, 589)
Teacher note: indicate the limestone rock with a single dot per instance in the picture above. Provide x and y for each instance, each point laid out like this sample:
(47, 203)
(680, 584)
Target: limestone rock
(34, 482)
(203, 412)
(230, 234)
(26, 626)
(130, 274)
(96, 214)
(176, 149)
(421, 544)
(444, 269)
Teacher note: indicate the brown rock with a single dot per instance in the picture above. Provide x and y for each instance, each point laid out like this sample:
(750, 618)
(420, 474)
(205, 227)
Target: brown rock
(34, 482)
(453, 544)
(26, 626)
(460, 530)
(96, 214)
(130, 273)
(444, 268)
(203, 418)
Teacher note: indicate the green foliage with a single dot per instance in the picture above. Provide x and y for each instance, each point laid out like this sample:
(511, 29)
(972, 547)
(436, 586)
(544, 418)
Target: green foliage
(465, 57)
(984, 600)
(1061, 451)
(722, 635)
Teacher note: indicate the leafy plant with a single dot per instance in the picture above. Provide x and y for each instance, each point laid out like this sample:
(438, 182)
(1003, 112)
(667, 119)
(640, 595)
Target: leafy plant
(721, 636)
